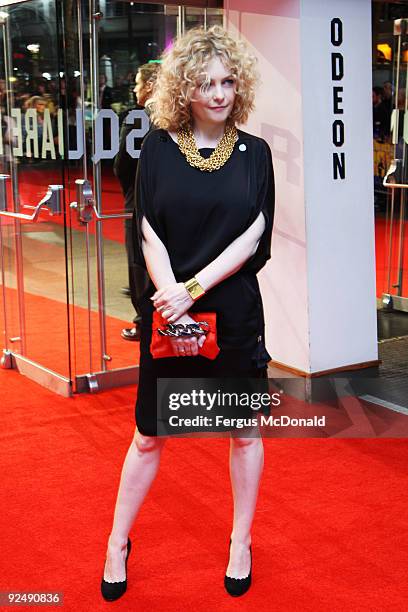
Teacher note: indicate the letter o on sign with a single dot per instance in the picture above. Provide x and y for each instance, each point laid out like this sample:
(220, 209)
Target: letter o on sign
(336, 32)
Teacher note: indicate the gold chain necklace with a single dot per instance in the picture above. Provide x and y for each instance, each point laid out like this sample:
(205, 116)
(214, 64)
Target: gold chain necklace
(220, 155)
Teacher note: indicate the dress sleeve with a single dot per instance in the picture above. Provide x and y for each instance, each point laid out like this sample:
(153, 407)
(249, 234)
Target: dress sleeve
(265, 203)
(144, 188)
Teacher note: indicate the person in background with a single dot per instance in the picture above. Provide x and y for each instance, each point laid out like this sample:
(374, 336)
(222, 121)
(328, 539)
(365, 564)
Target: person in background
(388, 92)
(381, 116)
(105, 92)
(125, 168)
(106, 99)
(39, 104)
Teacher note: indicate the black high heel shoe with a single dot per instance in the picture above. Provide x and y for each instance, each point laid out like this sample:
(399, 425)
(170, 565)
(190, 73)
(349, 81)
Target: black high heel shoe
(238, 586)
(113, 590)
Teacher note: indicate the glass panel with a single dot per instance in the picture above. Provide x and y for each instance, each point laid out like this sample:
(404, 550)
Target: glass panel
(66, 89)
(390, 66)
(124, 37)
(125, 43)
(397, 218)
(195, 16)
(35, 281)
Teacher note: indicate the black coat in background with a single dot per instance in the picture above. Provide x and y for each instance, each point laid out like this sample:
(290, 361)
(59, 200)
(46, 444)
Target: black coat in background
(125, 167)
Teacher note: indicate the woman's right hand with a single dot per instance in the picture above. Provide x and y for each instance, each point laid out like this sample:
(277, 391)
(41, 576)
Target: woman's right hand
(186, 346)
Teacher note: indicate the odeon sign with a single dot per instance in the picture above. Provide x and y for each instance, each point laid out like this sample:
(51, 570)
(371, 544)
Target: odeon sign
(31, 139)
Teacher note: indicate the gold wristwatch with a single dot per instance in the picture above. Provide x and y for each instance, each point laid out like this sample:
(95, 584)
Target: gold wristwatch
(194, 288)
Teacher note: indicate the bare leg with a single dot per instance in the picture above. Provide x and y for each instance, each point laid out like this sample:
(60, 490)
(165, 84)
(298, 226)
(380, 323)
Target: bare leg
(138, 472)
(246, 464)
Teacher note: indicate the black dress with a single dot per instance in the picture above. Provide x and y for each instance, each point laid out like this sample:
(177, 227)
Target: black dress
(197, 215)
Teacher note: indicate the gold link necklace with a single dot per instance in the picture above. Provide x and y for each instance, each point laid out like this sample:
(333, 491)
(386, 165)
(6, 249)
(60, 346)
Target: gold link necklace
(220, 155)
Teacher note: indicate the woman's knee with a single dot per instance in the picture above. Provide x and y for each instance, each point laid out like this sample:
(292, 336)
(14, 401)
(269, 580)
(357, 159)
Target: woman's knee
(147, 444)
(246, 443)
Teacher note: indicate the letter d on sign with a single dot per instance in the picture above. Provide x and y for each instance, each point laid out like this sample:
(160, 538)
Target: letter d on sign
(100, 151)
(337, 66)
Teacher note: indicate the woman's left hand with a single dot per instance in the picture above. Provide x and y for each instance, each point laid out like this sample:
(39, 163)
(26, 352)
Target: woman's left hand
(172, 301)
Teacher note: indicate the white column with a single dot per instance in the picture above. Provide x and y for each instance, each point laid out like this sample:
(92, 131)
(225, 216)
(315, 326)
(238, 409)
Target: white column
(314, 109)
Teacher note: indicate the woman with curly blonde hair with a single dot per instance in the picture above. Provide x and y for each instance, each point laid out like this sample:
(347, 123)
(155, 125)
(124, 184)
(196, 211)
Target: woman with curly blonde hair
(203, 220)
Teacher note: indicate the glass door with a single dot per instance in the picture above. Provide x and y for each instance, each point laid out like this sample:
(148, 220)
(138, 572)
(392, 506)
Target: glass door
(67, 75)
(396, 180)
(33, 239)
(106, 43)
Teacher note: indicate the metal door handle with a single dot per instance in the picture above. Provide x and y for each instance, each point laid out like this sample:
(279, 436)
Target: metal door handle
(85, 204)
(101, 217)
(52, 200)
(393, 176)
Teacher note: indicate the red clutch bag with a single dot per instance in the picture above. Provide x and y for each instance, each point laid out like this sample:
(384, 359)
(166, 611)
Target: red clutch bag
(160, 346)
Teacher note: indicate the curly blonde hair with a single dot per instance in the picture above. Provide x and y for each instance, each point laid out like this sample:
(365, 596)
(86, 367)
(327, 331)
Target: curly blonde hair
(184, 66)
(148, 72)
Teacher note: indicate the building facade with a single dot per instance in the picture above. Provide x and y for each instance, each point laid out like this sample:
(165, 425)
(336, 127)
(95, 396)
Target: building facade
(66, 87)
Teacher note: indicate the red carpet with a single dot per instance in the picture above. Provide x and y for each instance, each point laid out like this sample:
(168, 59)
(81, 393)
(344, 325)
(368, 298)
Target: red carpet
(330, 531)
(46, 319)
